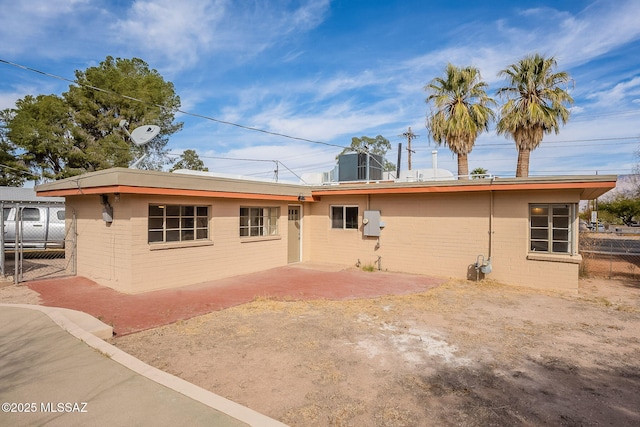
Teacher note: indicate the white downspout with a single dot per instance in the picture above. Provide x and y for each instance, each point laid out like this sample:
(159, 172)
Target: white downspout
(491, 224)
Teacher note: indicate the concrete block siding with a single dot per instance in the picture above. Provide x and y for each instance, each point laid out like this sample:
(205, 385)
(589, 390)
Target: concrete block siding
(118, 255)
(442, 235)
(433, 228)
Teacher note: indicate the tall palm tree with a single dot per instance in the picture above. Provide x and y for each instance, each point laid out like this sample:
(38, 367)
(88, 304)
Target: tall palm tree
(536, 104)
(460, 111)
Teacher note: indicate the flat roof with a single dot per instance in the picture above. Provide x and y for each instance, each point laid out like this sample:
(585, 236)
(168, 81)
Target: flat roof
(591, 186)
(133, 181)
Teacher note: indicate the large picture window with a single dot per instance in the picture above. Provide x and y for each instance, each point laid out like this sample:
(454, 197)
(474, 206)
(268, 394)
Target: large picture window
(178, 223)
(345, 217)
(551, 228)
(259, 221)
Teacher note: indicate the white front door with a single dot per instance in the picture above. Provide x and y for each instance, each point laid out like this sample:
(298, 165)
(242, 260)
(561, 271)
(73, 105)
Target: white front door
(294, 234)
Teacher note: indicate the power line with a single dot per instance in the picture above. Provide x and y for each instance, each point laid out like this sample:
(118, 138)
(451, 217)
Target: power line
(622, 138)
(582, 117)
(551, 144)
(201, 116)
(409, 135)
(226, 158)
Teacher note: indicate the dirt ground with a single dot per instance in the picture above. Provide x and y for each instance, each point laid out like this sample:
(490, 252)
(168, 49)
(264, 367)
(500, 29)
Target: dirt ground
(462, 354)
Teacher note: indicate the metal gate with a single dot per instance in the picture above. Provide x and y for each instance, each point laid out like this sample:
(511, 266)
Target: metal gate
(37, 241)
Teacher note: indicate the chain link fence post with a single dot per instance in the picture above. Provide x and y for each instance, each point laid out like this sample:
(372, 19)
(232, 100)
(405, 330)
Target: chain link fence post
(2, 249)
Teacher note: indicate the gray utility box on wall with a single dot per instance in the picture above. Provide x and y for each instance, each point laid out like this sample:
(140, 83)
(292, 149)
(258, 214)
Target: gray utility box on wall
(372, 223)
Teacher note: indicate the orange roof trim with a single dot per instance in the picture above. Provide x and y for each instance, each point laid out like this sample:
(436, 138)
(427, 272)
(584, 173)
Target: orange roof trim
(464, 188)
(125, 189)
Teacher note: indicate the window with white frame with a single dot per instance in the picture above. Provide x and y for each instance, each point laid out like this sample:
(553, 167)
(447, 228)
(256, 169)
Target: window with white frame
(259, 221)
(178, 223)
(550, 227)
(344, 217)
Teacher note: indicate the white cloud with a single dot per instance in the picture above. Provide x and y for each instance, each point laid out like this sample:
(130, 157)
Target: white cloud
(8, 99)
(593, 32)
(202, 45)
(258, 160)
(615, 96)
(334, 121)
(183, 32)
(24, 25)
(573, 40)
(176, 30)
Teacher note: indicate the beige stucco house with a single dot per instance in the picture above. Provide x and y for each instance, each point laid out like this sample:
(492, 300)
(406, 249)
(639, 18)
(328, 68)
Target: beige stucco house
(139, 231)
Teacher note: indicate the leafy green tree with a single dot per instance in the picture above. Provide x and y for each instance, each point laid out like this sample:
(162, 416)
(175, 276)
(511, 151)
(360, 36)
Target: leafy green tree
(79, 131)
(40, 127)
(460, 111)
(13, 173)
(536, 104)
(378, 145)
(623, 207)
(190, 160)
(129, 91)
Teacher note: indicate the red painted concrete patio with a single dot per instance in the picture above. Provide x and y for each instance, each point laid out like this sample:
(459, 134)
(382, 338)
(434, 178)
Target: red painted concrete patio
(132, 313)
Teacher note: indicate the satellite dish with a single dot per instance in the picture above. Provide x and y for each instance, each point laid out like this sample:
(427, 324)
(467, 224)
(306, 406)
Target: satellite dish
(143, 134)
(140, 137)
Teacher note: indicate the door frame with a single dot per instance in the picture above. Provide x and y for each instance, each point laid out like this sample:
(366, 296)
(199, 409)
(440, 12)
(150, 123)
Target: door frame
(300, 234)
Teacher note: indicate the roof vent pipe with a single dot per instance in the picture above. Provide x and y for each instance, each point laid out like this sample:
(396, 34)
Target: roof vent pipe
(434, 163)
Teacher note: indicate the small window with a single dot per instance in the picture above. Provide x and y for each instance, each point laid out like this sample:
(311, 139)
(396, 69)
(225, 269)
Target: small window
(550, 228)
(60, 215)
(259, 221)
(5, 213)
(344, 217)
(178, 223)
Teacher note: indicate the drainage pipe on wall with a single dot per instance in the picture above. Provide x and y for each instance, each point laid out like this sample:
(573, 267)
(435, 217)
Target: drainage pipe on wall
(489, 267)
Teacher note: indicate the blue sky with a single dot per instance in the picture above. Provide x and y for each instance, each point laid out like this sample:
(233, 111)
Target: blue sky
(331, 70)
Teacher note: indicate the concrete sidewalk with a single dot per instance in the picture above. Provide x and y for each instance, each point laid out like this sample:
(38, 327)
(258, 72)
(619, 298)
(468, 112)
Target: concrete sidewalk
(66, 376)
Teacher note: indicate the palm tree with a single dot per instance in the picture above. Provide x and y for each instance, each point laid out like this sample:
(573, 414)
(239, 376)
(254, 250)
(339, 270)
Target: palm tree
(536, 104)
(479, 172)
(460, 111)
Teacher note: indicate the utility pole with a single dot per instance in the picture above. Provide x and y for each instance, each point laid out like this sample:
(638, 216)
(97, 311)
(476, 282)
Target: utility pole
(409, 135)
(399, 160)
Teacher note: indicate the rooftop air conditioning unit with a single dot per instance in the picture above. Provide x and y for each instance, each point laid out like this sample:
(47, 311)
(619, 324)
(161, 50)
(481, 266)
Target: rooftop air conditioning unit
(360, 167)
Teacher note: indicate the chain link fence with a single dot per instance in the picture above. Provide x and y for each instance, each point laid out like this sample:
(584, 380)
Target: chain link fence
(611, 254)
(37, 242)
